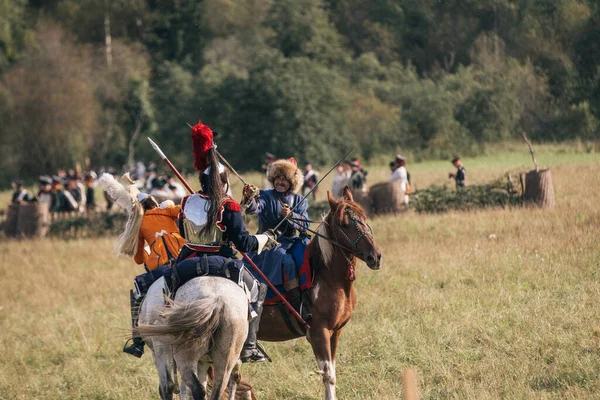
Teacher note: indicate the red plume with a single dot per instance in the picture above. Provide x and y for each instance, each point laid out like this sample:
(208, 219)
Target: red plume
(202, 141)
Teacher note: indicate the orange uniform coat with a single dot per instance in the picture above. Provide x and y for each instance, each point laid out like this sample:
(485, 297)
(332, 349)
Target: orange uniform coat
(160, 231)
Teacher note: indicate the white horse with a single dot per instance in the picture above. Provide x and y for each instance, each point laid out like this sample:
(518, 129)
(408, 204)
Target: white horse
(207, 323)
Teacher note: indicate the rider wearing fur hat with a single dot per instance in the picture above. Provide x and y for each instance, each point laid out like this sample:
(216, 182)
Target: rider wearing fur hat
(213, 226)
(271, 206)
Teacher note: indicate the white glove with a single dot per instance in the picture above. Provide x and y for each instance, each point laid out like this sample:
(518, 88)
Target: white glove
(266, 241)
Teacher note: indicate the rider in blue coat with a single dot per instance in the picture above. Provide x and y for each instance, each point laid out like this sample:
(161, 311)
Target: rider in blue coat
(272, 206)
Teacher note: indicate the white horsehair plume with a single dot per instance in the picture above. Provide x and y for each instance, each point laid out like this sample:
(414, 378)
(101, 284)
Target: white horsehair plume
(125, 195)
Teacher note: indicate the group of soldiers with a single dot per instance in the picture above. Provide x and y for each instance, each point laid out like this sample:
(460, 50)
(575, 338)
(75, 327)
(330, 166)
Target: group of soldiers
(349, 173)
(62, 193)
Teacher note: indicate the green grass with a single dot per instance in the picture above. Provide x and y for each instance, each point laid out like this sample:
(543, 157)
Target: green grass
(495, 304)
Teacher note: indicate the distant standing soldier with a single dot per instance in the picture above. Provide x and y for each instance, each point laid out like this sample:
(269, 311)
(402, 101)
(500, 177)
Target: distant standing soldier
(358, 179)
(400, 174)
(461, 174)
(340, 180)
(60, 203)
(310, 180)
(75, 194)
(20, 195)
(90, 184)
(45, 195)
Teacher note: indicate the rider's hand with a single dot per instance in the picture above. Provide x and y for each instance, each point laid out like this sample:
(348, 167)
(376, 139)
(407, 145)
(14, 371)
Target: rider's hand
(271, 234)
(250, 191)
(285, 210)
(271, 244)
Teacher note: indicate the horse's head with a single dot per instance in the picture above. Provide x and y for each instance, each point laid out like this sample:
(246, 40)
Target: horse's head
(348, 227)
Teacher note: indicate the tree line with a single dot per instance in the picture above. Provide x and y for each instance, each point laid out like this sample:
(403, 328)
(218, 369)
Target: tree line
(308, 78)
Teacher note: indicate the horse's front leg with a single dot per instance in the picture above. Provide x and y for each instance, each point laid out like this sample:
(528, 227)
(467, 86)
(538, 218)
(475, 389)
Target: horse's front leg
(320, 340)
(333, 342)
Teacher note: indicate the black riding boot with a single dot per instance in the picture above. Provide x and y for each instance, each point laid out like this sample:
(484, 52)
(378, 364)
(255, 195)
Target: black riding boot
(295, 299)
(137, 348)
(251, 352)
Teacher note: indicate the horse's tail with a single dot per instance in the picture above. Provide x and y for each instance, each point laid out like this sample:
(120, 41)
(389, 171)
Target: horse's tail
(196, 321)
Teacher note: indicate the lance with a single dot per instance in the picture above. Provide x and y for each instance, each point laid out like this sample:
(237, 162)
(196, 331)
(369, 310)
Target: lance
(311, 190)
(168, 162)
(246, 257)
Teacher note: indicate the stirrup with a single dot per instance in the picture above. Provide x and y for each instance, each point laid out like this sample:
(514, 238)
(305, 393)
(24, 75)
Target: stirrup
(304, 312)
(133, 349)
(256, 355)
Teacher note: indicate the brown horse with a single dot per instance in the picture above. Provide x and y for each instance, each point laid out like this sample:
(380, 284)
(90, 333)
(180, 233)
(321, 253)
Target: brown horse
(343, 237)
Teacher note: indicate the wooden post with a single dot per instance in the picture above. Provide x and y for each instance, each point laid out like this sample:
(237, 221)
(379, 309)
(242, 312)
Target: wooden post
(33, 220)
(12, 219)
(410, 390)
(539, 188)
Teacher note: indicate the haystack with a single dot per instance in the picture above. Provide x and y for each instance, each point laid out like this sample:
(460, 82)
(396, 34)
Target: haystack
(387, 198)
(363, 199)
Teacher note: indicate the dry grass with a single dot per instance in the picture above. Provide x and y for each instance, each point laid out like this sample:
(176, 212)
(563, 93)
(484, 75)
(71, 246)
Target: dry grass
(495, 304)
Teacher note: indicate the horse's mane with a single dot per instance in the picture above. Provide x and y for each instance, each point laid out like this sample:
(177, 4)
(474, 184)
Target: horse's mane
(344, 204)
(325, 246)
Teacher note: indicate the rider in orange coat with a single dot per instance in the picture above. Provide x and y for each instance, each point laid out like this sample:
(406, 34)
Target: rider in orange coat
(161, 233)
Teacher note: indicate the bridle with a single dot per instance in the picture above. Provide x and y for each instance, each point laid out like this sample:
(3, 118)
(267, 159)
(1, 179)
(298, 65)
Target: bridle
(363, 229)
(350, 248)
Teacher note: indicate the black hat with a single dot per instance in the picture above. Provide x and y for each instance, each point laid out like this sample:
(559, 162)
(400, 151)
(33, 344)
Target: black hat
(158, 183)
(45, 180)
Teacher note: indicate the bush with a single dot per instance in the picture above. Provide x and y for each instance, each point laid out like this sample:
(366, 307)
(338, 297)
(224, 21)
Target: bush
(93, 225)
(438, 199)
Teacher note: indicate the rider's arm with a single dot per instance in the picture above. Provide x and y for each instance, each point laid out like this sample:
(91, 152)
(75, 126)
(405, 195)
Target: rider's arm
(173, 211)
(233, 224)
(299, 218)
(256, 205)
(140, 255)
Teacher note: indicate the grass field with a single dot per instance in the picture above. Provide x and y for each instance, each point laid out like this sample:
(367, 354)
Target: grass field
(498, 304)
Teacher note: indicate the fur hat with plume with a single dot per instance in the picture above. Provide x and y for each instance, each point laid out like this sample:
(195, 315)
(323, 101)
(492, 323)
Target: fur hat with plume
(287, 169)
